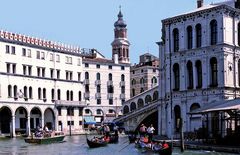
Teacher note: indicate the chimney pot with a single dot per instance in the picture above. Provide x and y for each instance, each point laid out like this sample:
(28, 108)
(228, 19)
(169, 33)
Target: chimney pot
(199, 3)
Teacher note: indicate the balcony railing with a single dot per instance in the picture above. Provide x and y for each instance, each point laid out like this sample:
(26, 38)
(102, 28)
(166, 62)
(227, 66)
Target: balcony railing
(69, 103)
(110, 83)
(86, 81)
(97, 82)
(110, 95)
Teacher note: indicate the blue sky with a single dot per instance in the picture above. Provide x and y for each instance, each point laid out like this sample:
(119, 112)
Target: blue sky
(89, 23)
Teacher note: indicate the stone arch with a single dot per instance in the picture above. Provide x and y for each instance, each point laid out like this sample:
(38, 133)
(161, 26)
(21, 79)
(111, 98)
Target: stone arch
(195, 120)
(35, 118)
(49, 118)
(133, 106)
(125, 109)
(177, 117)
(194, 106)
(155, 96)
(21, 118)
(140, 103)
(99, 112)
(148, 99)
(5, 119)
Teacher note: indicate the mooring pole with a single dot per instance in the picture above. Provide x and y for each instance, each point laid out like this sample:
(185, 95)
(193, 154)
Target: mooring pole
(182, 135)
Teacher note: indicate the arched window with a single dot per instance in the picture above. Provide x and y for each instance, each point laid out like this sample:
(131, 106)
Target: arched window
(238, 34)
(122, 77)
(133, 92)
(9, 91)
(214, 71)
(175, 40)
(44, 93)
(189, 37)
(25, 91)
(154, 80)
(155, 96)
(79, 96)
(133, 106)
(86, 75)
(30, 92)
(71, 95)
(176, 75)
(140, 103)
(190, 74)
(110, 77)
(59, 94)
(52, 94)
(39, 93)
(199, 73)
(142, 80)
(198, 35)
(98, 76)
(99, 111)
(133, 82)
(15, 91)
(213, 32)
(67, 94)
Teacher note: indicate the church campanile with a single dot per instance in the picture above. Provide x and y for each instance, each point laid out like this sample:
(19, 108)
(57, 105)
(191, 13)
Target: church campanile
(120, 45)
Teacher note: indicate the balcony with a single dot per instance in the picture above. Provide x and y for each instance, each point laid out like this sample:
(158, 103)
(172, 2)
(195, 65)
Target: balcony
(86, 81)
(98, 82)
(87, 95)
(122, 83)
(110, 83)
(122, 96)
(110, 96)
(98, 95)
(69, 103)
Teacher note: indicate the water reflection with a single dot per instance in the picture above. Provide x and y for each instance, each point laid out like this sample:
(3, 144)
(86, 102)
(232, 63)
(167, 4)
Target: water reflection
(76, 145)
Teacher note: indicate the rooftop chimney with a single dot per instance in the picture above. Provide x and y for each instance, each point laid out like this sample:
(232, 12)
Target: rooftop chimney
(199, 3)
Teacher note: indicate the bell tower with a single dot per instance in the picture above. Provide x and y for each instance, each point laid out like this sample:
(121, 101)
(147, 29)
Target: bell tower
(120, 45)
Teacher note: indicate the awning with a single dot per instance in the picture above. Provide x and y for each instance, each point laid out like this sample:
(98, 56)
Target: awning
(225, 105)
(89, 120)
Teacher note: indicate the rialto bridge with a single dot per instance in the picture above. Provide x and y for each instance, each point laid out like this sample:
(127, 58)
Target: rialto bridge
(141, 109)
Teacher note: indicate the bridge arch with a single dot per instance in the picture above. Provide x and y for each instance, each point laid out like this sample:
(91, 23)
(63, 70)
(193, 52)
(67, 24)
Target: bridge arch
(148, 99)
(133, 106)
(140, 103)
(125, 109)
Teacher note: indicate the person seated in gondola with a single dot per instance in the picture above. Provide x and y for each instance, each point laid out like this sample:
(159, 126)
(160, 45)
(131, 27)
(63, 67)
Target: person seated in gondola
(47, 132)
(165, 145)
(156, 146)
(39, 131)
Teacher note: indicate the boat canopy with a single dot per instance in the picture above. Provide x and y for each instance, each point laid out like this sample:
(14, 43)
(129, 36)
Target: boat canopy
(89, 120)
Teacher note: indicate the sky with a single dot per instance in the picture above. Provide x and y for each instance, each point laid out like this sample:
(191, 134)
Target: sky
(89, 23)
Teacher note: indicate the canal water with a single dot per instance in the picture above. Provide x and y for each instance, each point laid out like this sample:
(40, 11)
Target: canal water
(76, 145)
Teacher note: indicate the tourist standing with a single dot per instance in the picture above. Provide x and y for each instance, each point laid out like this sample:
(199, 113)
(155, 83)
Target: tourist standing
(150, 131)
(143, 130)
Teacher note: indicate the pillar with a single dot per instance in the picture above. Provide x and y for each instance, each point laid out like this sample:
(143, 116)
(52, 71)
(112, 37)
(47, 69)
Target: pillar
(13, 134)
(42, 121)
(28, 126)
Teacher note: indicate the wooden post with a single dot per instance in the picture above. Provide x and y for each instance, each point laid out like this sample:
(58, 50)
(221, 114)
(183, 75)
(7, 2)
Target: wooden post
(182, 135)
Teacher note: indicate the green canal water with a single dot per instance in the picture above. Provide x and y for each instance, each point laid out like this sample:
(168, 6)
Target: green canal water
(76, 145)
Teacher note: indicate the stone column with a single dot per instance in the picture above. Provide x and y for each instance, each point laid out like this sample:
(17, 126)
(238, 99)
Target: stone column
(13, 127)
(28, 126)
(56, 123)
(42, 121)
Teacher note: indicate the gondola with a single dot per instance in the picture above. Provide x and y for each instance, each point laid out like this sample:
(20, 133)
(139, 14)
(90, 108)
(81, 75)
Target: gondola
(166, 151)
(113, 139)
(132, 138)
(94, 144)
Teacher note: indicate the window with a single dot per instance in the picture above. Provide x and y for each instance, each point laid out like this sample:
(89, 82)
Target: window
(13, 49)
(9, 91)
(109, 67)
(25, 92)
(40, 72)
(79, 62)
(8, 67)
(123, 89)
(30, 92)
(133, 82)
(199, 73)
(142, 80)
(110, 111)
(110, 77)
(98, 76)
(214, 71)
(86, 65)
(59, 94)
(198, 35)
(71, 95)
(15, 91)
(70, 111)
(97, 66)
(133, 92)
(99, 112)
(67, 95)
(110, 101)
(52, 94)
(122, 68)
(189, 37)
(175, 40)
(98, 101)
(122, 77)
(80, 112)
(59, 111)
(110, 89)
(44, 93)
(69, 75)
(79, 76)
(58, 74)
(38, 54)
(57, 58)
(86, 75)
(51, 56)
(68, 60)
(7, 49)
(42, 55)
(213, 32)
(24, 69)
(51, 73)
(39, 93)
(176, 75)
(11, 68)
(98, 88)
(24, 53)
(190, 75)
(29, 53)
(79, 96)
(14, 68)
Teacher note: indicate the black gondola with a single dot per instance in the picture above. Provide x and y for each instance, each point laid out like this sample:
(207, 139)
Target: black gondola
(113, 139)
(94, 144)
